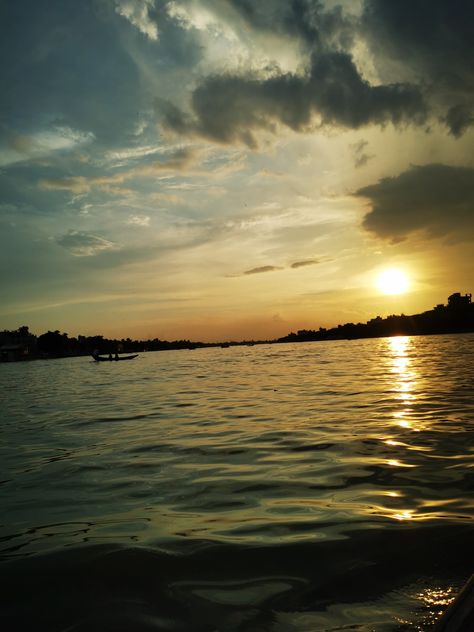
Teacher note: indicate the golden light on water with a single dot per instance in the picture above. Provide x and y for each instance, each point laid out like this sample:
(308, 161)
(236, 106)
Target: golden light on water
(398, 345)
(393, 281)
(392, 494)
(398, 463)
(437, 596)
(405, 379)
(435, 600)
(404, 515)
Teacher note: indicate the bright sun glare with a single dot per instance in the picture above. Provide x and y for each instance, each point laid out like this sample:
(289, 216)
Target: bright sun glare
(392, 281)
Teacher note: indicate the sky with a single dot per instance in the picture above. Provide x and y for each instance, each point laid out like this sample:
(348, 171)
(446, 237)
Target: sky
(230, 169)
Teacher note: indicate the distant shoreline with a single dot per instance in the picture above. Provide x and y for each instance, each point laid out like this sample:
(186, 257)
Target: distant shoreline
(454, 318)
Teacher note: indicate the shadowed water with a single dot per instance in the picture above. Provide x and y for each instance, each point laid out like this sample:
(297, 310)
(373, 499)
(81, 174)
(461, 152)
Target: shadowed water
(317, 486)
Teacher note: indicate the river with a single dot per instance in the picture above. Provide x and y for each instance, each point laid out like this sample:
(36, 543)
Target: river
(294, 487)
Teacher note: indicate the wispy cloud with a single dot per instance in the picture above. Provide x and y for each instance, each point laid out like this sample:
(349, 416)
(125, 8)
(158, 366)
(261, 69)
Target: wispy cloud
(179, 161)
(139, 220)
(83, 244)
(21, 147)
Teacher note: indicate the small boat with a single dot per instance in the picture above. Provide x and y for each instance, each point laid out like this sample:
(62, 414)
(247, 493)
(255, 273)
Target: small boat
(111, 358)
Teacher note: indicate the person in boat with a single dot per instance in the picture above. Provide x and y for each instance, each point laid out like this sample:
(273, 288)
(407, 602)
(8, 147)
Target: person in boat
(116, 357)
(110, 356)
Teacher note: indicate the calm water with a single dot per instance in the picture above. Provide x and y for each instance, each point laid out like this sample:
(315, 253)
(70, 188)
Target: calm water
(297, 487)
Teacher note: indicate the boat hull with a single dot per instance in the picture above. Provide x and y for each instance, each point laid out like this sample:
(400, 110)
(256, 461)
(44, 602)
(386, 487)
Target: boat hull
(107, 359)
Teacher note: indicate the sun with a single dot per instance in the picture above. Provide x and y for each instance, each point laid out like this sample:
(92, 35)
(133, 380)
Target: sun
(392, 281)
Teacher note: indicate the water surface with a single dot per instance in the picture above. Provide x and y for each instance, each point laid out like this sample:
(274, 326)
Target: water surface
(311, 486)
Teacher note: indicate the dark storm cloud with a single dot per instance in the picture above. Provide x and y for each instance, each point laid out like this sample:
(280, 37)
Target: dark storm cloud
(437, 199)
(434, 41)
(228, 108)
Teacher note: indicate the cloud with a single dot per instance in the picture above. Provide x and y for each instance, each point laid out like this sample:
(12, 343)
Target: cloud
(327, 90)
(301, 264)
(137, 12)
(23, 147)
(360, 157)
(437, 199)
(83, 244)
(80, 184)
(261, 269)
(458, 119)
(310, 21)
(139, 220)
(418, 61)
(433, 46)
(179, 160)
(295, 265)
(231, 109)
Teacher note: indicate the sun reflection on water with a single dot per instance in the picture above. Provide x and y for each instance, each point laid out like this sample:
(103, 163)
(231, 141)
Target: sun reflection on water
(405, 380)
(404, 515)
(435, 600)
(398, 463)
(437, 596)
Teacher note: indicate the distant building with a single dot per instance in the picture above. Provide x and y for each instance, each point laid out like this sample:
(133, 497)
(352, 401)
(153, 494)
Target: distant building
(17, 345)
(12, 353)
(458, 300)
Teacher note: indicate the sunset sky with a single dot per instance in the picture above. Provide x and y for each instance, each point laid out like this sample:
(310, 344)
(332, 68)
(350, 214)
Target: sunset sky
(232, 169)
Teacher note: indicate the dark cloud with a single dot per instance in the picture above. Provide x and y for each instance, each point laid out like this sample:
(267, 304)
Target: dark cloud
(262, 269)
(437, 199)
(437, 38)
(229, 108)
(301, 264)
(424, 59)
(360, 157)
(310, 21)
(434, 43)
(458, 119)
